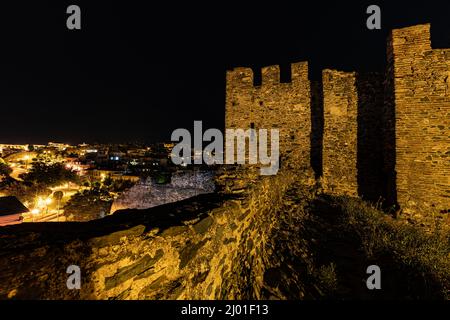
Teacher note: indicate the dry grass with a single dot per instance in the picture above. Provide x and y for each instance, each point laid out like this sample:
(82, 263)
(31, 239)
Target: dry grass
(424, 255)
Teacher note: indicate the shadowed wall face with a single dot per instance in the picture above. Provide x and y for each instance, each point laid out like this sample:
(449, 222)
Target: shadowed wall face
(388, 132)
(370, 136)
(352, 135)
(317, 127)
(421, 80)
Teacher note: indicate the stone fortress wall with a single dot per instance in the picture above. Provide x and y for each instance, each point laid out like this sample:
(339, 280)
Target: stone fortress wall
(213, 246)
(379, 136)
(366, 135)
(248, 106)
(420, 77)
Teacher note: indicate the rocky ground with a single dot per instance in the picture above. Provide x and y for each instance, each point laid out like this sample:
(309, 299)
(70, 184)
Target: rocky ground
(277, 238)
(319, 251)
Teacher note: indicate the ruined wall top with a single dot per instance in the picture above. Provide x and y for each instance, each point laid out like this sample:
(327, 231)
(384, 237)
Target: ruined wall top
(270, 75)
(414, 40)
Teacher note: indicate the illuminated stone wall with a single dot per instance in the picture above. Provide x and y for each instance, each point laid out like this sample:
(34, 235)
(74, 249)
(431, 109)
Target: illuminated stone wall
(420, 121)
(215, 245)
(380, 137)
(209, 247)
(273, 105)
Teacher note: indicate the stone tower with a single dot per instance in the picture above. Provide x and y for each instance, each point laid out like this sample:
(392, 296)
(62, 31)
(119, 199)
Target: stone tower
(285, 106)
(418, 119)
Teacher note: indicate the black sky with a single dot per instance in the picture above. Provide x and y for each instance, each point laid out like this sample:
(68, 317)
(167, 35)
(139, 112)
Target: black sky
(135, 72)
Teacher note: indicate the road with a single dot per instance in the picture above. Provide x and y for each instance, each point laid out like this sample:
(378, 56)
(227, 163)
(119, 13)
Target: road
(50, 217)
(17, 171)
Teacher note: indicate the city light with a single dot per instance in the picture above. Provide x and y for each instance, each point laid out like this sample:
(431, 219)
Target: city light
(98, 167)
(40, 202)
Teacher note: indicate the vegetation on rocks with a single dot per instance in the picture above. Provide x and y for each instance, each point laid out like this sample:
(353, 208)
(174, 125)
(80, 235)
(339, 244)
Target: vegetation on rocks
(425, 257)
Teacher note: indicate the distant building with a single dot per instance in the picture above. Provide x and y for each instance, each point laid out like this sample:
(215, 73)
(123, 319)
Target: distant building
(59, 146)
(114, 175)
(11, 210)
(137, 152)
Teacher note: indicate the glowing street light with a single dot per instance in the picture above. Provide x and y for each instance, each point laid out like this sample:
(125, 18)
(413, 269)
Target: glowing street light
(40, 202)
(26, 158)
(34, 213)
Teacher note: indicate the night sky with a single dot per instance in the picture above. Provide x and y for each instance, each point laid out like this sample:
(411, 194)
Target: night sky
(134, 73)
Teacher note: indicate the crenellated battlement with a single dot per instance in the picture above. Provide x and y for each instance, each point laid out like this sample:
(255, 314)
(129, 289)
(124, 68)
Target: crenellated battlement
(411, 40)
(240, 76)
(270, 75)
(273, 105)
(375, 135)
